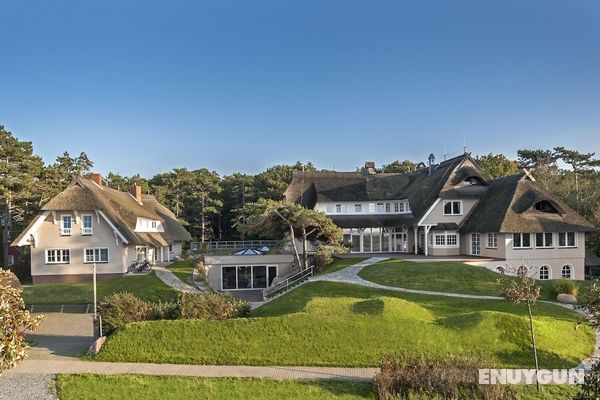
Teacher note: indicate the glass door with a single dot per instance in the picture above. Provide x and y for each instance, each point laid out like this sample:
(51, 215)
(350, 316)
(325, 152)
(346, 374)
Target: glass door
(475, 244)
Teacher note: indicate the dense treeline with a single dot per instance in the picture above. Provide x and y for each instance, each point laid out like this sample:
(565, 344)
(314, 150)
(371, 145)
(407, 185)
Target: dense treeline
(208, 203)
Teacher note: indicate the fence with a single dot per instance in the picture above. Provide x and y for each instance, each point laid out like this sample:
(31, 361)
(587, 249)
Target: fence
(233, 244)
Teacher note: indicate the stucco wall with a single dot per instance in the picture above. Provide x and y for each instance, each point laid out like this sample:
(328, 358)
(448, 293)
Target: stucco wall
(49, 237)
(437, 213)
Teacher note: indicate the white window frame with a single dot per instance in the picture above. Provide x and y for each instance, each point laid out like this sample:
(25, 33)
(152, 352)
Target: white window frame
(87, 231)
(58, 251)
(566, 246)
(544, 244)
(562, 271)
(548, 269)
(66, 231)
(338, 208)
(522, 247)
(397, 206)
(388, 207)
(460, 205)
(492, 241)
(442, 238)
(371, 207)
(94, 260)
(358, 208)
(380, 207)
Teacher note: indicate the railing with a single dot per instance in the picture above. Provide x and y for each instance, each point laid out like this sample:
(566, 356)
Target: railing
(86, 231)
(65, 231)
(233, 244)
(290, 282)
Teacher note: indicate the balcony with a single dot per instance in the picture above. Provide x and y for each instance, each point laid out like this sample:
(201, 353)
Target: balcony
(65, 232)
(86, 231)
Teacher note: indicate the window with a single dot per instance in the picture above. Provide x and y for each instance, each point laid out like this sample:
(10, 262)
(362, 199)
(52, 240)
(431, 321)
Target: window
(474, 181)
(396, 207)
(338, 208)
(492, 240)
(388, 207)
(87, 225)
(379, 207)
(58, 256)
(170, 248)
(566, 272)
(358, 208)
(247, 277)
(95, 255)
(566, 239)
(543, 239)
(544, 273)
(446, 239)
(521, 240)
(66, 223)
(154, 224)
(371, 207)
(452, 207)
(545, 206)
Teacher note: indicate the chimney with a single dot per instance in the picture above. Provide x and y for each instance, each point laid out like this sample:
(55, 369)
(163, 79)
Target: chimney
(136, 192)
(369, 168)
(96, 177)
(431, 161)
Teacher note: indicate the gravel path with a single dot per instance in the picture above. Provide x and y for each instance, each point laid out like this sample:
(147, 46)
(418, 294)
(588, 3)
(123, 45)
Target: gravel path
(27, 387)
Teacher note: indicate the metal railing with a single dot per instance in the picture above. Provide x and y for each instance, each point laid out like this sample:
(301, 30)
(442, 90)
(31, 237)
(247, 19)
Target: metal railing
(288, 283)
(233, 244)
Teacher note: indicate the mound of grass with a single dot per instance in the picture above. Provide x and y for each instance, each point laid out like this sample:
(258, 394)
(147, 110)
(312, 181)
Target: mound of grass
(336, 324)
(146, 287)
(117, 387)
(450, 277)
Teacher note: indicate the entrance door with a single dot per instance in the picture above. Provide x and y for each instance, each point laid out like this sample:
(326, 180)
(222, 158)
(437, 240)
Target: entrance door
(475, 244)
(142, 253)
(400, 242)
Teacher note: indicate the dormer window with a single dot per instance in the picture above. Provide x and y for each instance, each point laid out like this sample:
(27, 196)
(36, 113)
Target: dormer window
(66, 224)
(545, 206)
(474, 181)
(148, 225)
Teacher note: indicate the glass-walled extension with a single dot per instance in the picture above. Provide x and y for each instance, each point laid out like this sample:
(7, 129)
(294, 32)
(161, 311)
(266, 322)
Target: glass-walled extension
(378, 240)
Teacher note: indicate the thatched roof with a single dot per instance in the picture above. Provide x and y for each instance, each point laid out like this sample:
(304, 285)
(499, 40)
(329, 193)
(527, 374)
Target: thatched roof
(420, 187)
(507, 206)
(591, 258)
(121, 209)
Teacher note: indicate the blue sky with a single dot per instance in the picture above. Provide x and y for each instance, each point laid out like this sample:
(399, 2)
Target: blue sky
(145, 86)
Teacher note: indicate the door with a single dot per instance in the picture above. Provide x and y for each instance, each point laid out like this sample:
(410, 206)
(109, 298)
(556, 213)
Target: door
(475, 244)
(400, 242)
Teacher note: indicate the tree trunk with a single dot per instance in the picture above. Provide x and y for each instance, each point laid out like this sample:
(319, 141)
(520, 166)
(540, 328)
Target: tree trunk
(304, 249)
(293, 237)
(537, 383)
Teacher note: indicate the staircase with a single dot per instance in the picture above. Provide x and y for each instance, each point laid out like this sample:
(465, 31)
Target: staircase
(289, 283)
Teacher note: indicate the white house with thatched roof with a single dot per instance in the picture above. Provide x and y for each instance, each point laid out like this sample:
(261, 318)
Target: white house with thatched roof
(91, 223)
(450, 209)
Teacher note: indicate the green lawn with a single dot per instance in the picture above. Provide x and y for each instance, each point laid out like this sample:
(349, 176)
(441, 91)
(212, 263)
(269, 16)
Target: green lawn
(147, 287)
(337, 324)
(117, 387)
(182, 269)
(452, 277)
(339, 263)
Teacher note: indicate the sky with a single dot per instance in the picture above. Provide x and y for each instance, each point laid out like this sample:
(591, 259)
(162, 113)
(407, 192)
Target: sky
(147, 86)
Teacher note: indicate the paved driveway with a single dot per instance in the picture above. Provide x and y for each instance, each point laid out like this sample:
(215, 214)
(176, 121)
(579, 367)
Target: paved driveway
(61, 336)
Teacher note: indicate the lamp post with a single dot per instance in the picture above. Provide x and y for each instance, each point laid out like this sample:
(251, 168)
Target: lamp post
(97, 321)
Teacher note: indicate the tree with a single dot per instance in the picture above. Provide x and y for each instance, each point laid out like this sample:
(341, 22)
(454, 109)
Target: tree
(525, 290)
(579, 162)
(238, 189)
(19, 174)
(16, 321)
(272, 183)
(590, 389)
(401, 167)
(270, 218)
(497, 165)
(535, 158)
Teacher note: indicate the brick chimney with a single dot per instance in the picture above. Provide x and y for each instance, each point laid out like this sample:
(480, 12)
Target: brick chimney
(96, 177)
(369, 168)
(136, 192)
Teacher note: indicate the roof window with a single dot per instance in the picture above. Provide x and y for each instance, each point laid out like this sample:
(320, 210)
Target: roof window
(545, 206)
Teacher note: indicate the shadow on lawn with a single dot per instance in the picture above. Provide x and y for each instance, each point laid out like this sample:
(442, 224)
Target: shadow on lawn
(368, 307)
(343, 388)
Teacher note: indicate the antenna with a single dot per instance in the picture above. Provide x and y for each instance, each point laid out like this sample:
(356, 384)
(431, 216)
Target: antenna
(445, 153)
(464, 143)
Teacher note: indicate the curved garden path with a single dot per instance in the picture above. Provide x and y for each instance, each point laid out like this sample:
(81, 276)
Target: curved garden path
(170, 279)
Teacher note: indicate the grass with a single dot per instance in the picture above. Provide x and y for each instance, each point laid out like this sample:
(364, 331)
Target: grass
(148, 287)
(182, 269)
(117, 387)
(338, 324)
(338, 264)
(83, 387)
(448, 277)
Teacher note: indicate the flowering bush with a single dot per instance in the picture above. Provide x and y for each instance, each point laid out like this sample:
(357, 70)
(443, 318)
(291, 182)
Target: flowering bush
(15, 321)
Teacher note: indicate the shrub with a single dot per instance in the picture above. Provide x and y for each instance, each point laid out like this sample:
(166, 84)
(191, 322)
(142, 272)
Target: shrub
(164, 310)
(590, 389)
(201, 268)
(420, 377)
(15, 322)
(119, 309)
(324, 255)
(564, 286)
(211, 306)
